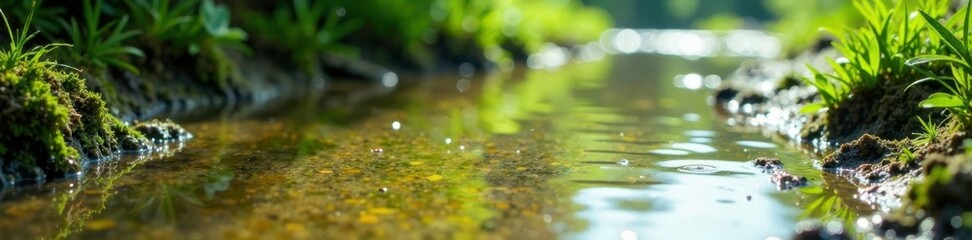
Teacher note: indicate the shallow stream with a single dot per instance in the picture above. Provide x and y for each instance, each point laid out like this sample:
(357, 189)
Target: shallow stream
(622, 148)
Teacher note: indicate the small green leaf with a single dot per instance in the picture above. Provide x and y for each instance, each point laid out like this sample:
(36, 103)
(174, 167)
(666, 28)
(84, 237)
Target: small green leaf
(941, 100)
(215, 18)
(814, 190)
(812, 108)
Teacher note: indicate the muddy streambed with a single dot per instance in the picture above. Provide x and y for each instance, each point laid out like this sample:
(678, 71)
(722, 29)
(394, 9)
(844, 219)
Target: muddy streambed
(621, 148)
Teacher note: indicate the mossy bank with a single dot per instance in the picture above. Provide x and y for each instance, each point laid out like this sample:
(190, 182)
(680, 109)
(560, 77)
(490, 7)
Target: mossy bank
(53, 124)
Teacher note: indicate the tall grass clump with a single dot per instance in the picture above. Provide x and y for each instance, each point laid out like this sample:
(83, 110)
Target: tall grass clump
(957, 97)
(306, 29)
(196, 29)
(877, 53)
(101, 46)
(17, 51)
(31, 134)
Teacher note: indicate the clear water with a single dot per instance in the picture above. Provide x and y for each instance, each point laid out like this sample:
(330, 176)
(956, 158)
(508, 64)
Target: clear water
(603, 150)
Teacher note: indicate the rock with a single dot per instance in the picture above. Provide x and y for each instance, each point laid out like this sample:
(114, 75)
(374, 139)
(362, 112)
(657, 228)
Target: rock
(786, 181)
(162, 131)
(131, 143)
(767, 163)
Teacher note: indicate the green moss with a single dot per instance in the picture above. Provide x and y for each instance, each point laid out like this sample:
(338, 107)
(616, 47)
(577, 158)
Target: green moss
(34, 123)
(52, 122)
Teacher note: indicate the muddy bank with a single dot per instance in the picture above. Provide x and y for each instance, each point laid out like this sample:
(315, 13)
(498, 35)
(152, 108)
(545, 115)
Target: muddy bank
(873, 138)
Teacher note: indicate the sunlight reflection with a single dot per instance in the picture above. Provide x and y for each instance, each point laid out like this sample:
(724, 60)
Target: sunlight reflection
(691, 44)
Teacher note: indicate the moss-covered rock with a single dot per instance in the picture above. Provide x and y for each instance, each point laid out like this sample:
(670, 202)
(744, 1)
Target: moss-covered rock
(52, 123)
(32, 137)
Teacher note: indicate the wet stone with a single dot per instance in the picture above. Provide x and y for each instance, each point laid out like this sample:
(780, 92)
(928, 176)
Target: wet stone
(786, 181)
(768, 163)
(132, 144)
(162, 131)
(725, 94)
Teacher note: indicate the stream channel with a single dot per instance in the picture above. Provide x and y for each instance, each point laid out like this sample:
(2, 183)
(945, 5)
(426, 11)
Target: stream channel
(625, 147)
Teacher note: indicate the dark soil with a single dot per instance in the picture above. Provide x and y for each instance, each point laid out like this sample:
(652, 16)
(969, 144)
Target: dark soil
(940, 204)
(869, 158)
(887, 111)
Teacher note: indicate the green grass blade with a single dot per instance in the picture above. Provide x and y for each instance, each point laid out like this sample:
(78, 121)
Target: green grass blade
(941, 100)
(950, 40)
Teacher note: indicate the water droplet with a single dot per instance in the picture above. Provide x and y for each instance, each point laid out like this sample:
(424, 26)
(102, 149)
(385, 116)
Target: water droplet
(698, 168)
(463, 85)
(956, 222)
(835, 227)
(383, 190)
(628, 235)
(389, 79)
(377, 150)
(396, 125)
(462, 147)
(863, 224)
(448, 140)
(341, 12)
(517, 152)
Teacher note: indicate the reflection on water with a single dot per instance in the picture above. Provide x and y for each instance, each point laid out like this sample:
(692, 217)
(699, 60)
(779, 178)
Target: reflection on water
(610, 149)
(691, 44)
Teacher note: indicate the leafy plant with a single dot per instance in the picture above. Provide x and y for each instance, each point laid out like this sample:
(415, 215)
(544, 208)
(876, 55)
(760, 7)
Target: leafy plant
(876, 52)
(215, 20)
(930, 132)
(907, 156)
(191, 27)
(101, 46)
(215, 36)
(308, 29)
(43, 18)
(163, 22)
(17, 52)
(958, 98)
(832, 90)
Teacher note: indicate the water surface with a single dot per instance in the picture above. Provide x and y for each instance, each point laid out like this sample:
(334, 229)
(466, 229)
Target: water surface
(621, 148)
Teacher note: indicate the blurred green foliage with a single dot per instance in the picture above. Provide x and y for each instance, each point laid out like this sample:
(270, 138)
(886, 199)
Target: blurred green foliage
(799, 22)
(419, 30)
(100, 45)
